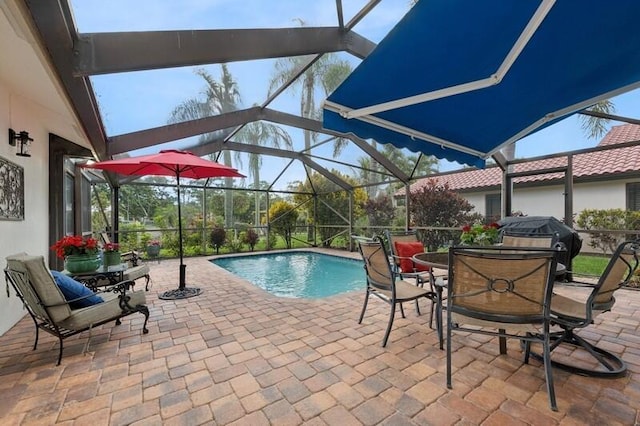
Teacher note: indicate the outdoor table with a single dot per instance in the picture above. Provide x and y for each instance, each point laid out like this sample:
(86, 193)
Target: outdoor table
(103, 276)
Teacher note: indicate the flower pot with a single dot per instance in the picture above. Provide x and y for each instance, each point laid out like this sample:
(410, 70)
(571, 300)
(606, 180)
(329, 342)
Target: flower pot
(153, 251)
(111, 258)
(81, 263)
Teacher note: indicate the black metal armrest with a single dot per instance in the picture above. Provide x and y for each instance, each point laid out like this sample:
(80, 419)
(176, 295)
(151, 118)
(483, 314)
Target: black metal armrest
(121, 287)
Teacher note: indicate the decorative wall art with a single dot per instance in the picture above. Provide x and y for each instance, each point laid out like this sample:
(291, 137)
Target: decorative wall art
(11, 190)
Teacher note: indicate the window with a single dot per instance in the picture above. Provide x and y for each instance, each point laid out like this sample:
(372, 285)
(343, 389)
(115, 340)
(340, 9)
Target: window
(633, 196)
(69, 203)
(492, 207)
(66, 200)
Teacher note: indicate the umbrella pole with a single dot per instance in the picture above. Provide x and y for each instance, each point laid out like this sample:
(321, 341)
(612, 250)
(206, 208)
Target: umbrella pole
(183, 267)
(182, 292)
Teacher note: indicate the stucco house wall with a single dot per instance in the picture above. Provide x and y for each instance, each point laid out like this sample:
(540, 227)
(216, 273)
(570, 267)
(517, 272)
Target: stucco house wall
(602, 195)
(31, 100)
(549, 200)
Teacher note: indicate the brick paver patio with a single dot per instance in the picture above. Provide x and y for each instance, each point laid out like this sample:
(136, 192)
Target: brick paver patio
(237, 355)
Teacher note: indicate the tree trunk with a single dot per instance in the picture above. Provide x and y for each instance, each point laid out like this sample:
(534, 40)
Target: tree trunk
(228, 194)
(256, 186)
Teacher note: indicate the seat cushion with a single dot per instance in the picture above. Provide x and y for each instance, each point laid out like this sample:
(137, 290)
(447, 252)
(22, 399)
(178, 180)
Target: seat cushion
(406, 250)
(568, 308)
(72, 289)
(406, 290)
(80, 319)
(136, 272)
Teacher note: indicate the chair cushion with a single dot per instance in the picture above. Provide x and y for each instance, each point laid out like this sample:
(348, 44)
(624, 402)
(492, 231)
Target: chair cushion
(80, 319)
(406, 250)
(39, 286)
(72, 289)
(136, 272)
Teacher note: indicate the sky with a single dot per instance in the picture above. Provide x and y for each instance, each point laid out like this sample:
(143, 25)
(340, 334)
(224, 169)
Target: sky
(139, 100)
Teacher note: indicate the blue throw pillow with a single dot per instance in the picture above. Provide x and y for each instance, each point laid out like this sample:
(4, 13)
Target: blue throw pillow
(72, 289)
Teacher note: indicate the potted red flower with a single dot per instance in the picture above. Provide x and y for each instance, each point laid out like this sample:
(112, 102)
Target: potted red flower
(153, 248)
(111, 254)
(479, 234)
(80, 254)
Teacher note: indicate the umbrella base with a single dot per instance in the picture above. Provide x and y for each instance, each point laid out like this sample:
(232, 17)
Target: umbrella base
(180, 293)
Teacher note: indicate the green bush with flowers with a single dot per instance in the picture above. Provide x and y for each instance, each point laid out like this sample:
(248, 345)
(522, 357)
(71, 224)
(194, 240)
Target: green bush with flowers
(479, 234)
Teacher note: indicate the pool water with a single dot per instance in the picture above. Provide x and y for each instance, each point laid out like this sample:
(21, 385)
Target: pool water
(298, 274)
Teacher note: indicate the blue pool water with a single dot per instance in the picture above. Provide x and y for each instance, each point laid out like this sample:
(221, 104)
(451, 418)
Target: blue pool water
(298, 274)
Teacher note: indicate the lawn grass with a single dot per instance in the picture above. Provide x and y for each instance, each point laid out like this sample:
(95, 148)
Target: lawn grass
(589, 265)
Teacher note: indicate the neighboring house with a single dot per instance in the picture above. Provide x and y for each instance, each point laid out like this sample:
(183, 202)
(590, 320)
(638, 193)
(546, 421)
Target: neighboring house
(602, 179)
(32, 100)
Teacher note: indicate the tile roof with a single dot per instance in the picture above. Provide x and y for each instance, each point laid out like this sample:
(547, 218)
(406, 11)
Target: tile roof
(598, 163)
(620, 134)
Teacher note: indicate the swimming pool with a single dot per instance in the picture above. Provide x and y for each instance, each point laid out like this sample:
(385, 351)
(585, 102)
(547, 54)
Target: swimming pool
(298, 274)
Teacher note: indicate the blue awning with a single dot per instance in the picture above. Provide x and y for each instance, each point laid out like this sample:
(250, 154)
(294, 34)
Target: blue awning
(460, 79)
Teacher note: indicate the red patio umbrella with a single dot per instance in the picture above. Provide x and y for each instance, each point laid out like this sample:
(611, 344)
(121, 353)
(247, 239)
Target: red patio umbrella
(170, 163)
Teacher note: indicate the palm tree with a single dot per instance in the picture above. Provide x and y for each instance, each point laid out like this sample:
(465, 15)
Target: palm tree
(416, 165)
(595, 127)
(219, 97)
(261, 133)
(365, 173)
(326, 74)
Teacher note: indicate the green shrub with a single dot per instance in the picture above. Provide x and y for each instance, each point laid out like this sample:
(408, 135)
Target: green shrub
(594, 220)
(129, 238)
(340, 242)
(171, 243)
(235, 245)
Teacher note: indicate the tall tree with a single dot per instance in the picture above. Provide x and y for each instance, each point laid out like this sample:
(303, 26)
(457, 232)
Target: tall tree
(261, 133)
(283, 220)
(595, 127)
(332, 207)
(412, 165)
(325, 74)
(366, 173)
(219, 97)
(419, 165)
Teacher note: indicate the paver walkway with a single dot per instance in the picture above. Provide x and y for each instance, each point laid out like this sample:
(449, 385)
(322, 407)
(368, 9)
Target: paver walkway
(237, 355)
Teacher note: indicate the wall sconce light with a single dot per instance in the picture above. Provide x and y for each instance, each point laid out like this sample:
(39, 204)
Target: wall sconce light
(21, 141)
